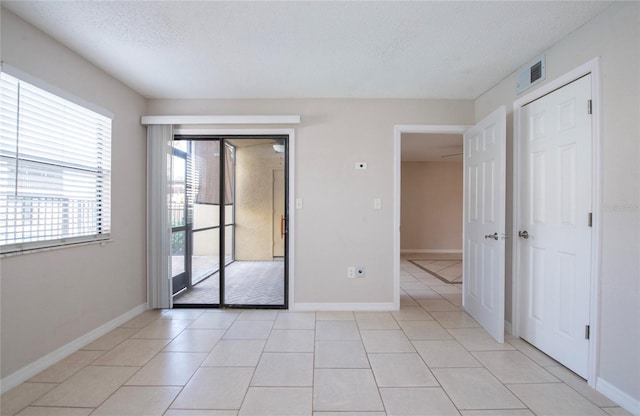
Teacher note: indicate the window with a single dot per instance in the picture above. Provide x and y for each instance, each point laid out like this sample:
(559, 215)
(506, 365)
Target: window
(55, 169)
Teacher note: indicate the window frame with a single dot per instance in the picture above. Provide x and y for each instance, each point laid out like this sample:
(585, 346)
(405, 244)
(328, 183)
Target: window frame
(100, 227)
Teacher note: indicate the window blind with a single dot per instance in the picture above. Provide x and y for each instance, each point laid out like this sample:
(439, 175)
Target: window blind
(55, 169)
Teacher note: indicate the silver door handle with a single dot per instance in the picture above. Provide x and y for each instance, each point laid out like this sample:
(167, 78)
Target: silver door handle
(523, 234)
(494, 236)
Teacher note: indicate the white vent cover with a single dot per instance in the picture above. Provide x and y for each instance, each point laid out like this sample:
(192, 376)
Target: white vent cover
(531, 74)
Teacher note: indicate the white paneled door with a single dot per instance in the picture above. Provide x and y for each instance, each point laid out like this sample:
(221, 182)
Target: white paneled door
(554, 233)
(484, 222)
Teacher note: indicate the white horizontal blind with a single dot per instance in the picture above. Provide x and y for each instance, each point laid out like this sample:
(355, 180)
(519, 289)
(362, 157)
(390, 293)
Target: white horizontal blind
(55, 169)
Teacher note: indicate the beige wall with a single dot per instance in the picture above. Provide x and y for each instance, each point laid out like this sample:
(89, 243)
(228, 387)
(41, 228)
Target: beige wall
(431, 206)
(615, 37)
(338, 226)
(51, 298)
(254, 200)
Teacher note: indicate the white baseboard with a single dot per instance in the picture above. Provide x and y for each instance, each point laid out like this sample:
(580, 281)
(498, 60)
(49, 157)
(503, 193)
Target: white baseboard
(382, 306)
(430, 250)
(630, 404)
(34, 368)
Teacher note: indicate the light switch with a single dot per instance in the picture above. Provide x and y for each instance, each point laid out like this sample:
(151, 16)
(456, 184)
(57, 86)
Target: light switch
(377, 203)
(298, 203)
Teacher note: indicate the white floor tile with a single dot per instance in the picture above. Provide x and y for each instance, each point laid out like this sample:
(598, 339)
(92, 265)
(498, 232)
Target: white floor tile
(424, 330)
(168, 369)
(453, 319)
(136, 401)
(380, 341)
(54, 411)
(295, 320)
(477, 339)
(445, 353)
(554, 399)
(249, 329)
(67, 367)
(337, 331)
(277, 401)
(21, 396)
(401, 370)
(284, 370)
(132, 352)
(111, 339)
(340, 354)
(476, 388)
(345, 390)
(195, 340)
(215, 388)
(417, 401)
(375, 320)
(291, 340)
(87, 388)
(214, 321)
(235, 353)
(513, 367)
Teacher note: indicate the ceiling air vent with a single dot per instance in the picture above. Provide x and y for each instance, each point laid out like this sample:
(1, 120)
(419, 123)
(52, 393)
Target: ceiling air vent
(531, 74)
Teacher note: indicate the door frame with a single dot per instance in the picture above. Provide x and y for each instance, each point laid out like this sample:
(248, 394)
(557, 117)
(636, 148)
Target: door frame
(592, 67)
(289, 183)
(398, 129)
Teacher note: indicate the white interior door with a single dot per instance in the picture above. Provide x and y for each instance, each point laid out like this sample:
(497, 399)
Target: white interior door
(484, 222)
(554, 231)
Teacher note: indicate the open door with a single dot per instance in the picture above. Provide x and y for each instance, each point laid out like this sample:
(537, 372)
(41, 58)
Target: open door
(484, 222)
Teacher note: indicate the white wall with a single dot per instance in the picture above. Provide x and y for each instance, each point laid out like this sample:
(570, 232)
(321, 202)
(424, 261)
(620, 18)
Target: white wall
(431, 206)
(51, 298)
(338, 227)
(615, 37)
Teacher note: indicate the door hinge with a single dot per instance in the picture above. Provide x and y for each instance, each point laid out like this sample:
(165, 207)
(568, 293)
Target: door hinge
(587, 330)
(590, 219)
(589, 106)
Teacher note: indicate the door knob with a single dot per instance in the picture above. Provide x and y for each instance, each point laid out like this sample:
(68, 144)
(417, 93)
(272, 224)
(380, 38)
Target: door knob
(523, 234)
(494, 236)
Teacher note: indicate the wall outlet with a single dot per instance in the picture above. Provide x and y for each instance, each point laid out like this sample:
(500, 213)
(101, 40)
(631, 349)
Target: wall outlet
(359, 271)
(351, 272)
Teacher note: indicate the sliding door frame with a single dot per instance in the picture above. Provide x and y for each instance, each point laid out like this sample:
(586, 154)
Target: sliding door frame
(289, 166)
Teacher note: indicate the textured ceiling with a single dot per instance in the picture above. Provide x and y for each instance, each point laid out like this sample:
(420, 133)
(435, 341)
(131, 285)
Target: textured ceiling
(202, 49)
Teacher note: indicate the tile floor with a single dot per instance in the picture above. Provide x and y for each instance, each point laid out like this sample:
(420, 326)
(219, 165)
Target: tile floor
(429, 358)
(246, 283)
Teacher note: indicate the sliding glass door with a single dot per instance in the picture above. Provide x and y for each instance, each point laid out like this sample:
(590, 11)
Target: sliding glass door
(234, 222)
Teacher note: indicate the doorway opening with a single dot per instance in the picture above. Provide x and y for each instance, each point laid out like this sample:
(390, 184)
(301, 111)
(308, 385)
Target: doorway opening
(229, 221)
(431, 206)
(417, 139)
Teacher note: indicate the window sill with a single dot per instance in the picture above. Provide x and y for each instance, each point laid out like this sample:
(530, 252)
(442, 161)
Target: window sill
(56, 247)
